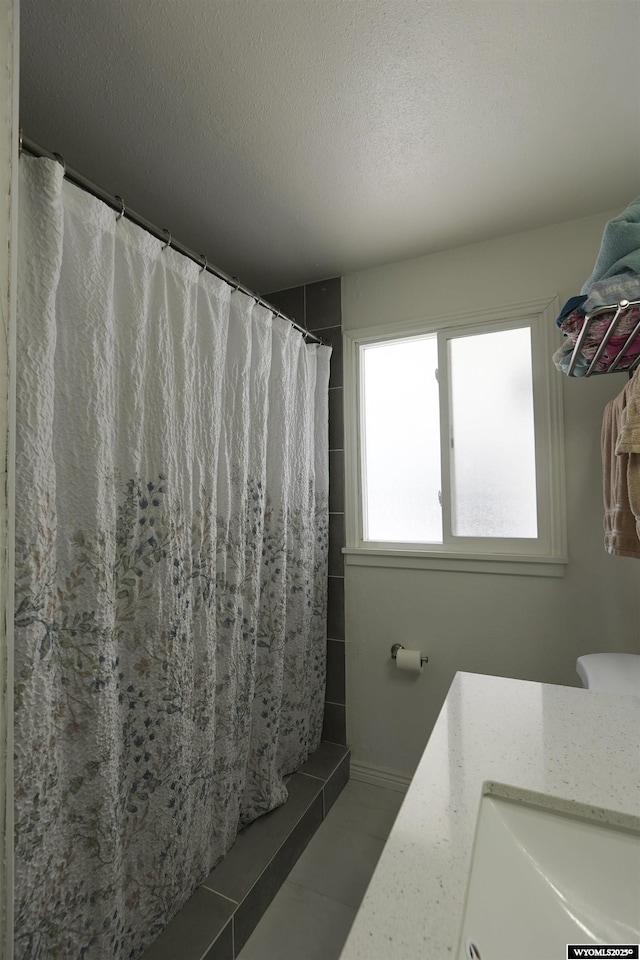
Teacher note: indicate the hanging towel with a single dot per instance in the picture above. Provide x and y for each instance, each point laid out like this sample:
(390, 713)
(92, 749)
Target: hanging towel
(628, 444)
(621, 531)
(628, 439)
(620, 248)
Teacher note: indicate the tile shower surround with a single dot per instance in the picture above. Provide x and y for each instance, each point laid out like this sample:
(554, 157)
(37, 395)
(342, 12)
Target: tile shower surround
(318, 308)
(218, 919)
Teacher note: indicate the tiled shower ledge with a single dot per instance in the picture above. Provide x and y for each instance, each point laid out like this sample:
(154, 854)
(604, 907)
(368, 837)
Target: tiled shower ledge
(218, 919)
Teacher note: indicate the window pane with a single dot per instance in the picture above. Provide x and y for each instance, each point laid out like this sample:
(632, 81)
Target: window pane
(493, 446)
(401, 449)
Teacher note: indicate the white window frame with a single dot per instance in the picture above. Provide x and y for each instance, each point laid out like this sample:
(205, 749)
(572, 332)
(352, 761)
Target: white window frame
(544, 556)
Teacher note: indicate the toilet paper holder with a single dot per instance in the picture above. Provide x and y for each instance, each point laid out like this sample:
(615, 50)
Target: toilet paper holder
(400, 646)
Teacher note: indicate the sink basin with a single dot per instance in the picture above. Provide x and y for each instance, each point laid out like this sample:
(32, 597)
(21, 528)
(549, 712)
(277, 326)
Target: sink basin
(542, 878)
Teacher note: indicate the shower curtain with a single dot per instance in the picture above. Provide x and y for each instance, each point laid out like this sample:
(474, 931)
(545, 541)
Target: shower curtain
(171, 561)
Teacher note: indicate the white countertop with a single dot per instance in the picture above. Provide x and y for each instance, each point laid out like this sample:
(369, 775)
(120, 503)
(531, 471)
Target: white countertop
(565, 742)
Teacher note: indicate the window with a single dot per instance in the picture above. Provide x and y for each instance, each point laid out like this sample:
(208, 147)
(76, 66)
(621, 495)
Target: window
(455, 456)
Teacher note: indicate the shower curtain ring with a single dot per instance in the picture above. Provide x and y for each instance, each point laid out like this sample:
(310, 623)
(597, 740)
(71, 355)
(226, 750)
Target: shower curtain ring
(237, 286)
(204, 263)
(122, 208)
(168, 233)
(60, 160)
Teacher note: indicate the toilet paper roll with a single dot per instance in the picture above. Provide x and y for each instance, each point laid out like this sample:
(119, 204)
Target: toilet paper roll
(409, 660)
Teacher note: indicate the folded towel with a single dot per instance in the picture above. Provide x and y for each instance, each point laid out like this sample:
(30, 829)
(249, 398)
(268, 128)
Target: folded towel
(603, 293)
(571, 327)
(621, 531)
(573, 305)
(620, 248)
(562, 359)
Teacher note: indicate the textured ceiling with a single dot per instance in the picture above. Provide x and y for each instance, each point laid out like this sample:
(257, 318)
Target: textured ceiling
(292, 140)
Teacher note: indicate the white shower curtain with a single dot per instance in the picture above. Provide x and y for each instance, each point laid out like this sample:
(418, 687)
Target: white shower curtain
(171, 542)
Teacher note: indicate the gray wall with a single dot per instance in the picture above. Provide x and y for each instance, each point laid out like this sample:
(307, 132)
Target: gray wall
(529, 628)
(318, 307)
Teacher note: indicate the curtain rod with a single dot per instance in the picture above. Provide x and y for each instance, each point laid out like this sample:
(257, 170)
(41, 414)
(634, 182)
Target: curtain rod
(117, 203)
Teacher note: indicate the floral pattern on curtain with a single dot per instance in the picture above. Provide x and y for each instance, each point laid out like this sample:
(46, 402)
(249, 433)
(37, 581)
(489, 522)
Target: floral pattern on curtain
(171, 562)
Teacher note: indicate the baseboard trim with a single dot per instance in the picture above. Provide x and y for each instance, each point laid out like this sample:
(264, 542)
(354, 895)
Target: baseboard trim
(379, 776)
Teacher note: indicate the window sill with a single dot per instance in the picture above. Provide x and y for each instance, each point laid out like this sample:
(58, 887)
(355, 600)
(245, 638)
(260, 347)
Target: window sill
(522, 566)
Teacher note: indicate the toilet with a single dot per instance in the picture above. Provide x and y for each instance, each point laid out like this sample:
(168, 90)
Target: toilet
(610, 672)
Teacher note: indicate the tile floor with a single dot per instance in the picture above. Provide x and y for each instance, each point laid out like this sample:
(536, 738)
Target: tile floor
(312, 913)
(218, 919)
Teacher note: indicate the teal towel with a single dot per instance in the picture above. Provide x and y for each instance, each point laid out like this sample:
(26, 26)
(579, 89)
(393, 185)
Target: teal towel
(620, 248)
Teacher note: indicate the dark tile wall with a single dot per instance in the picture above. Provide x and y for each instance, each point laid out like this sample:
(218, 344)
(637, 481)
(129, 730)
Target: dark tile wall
(318, 308)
